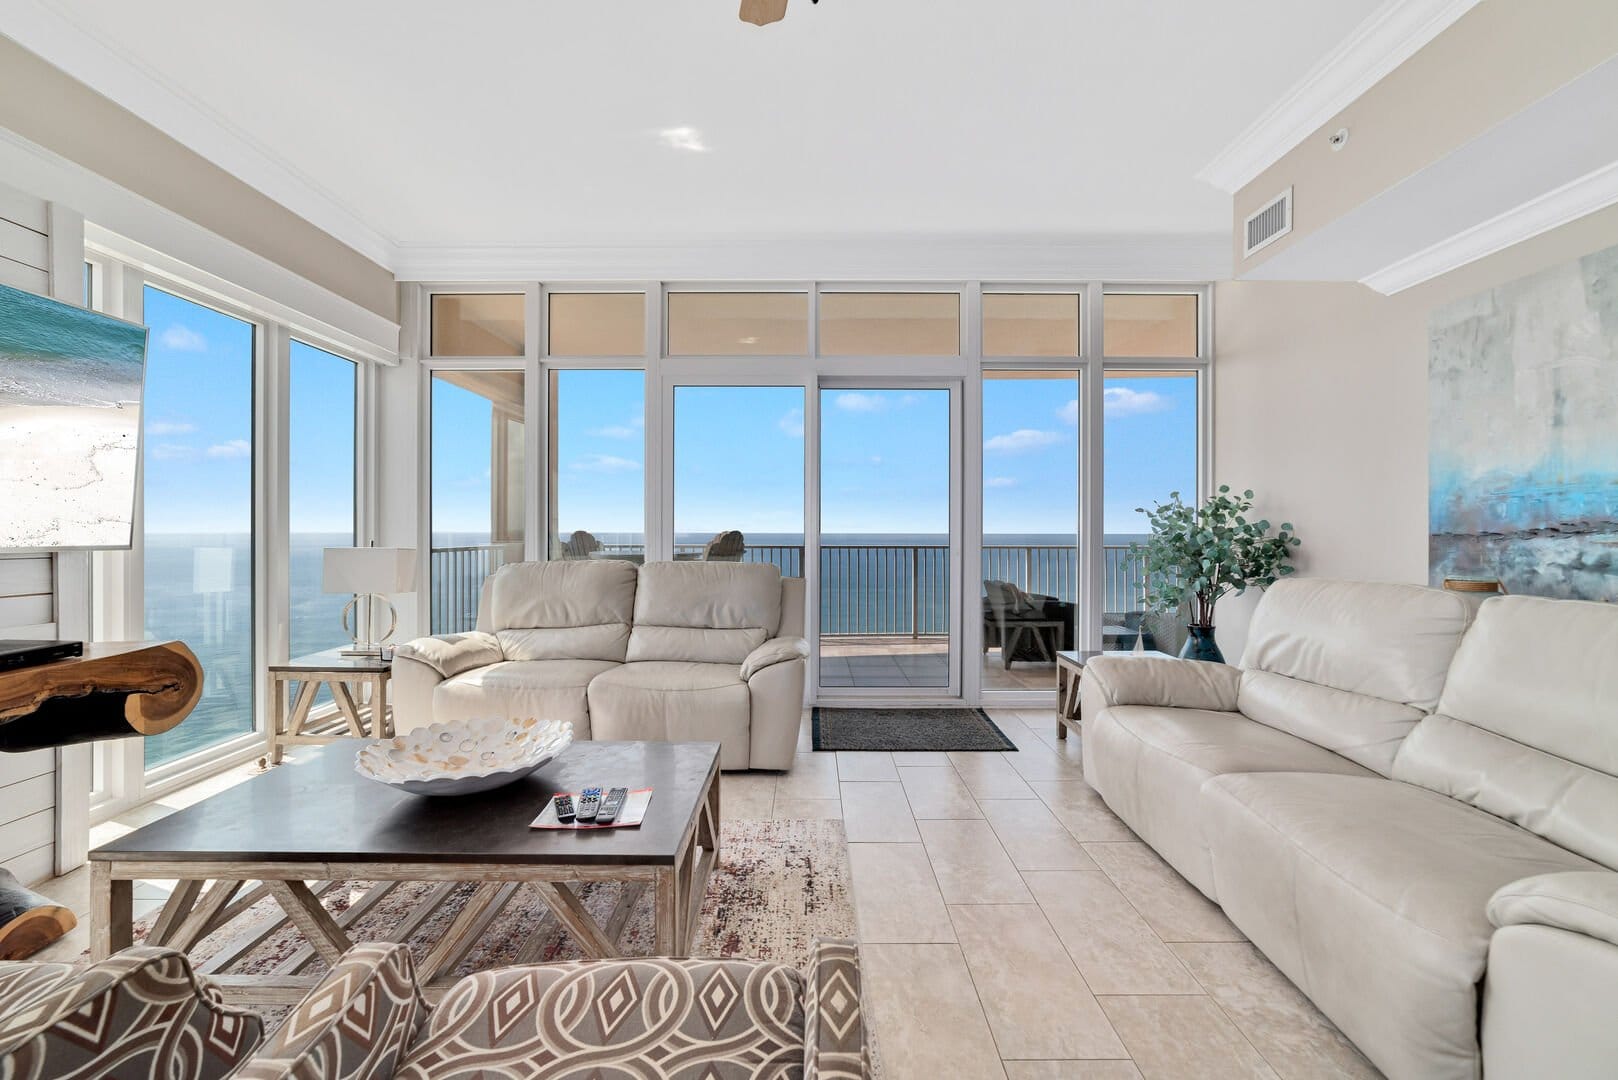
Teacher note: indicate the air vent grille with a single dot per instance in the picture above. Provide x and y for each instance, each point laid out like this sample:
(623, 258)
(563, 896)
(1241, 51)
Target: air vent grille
(1268, 224)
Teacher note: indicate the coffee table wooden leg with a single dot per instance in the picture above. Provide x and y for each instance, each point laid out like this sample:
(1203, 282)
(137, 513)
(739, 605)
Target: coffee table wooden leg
(311, 917)
(565, 903)
(278, 719)
(628, 900)
(176, 908)
(112, 912)
(667, 914)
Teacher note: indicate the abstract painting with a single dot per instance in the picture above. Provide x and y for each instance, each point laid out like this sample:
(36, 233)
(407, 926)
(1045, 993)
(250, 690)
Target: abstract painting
(70, 391)
(1524, 430)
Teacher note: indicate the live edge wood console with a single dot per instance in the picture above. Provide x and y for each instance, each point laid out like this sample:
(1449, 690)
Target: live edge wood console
(115, 690)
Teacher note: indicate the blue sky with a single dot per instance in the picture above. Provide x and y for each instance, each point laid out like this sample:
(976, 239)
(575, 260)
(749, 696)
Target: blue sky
(198, 409)
(739, 456)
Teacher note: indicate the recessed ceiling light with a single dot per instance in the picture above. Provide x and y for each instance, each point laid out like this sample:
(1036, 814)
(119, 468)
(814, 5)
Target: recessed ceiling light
(683, 138)
(749, 340)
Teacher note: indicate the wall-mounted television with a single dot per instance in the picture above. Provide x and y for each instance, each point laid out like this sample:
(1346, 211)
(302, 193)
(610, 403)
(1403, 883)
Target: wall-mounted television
(70, 424)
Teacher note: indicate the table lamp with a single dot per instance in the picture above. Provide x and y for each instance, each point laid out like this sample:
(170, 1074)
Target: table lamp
(368, 572)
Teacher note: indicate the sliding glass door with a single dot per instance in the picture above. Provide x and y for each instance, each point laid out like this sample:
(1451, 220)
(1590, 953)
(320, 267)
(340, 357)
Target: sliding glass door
(889, 482)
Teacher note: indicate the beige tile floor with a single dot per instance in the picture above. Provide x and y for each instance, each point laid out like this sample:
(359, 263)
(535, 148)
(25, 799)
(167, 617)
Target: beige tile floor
(1011, 927)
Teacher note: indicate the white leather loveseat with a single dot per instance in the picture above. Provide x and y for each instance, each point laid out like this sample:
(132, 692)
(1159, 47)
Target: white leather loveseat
(668, 651)
(1413, 813)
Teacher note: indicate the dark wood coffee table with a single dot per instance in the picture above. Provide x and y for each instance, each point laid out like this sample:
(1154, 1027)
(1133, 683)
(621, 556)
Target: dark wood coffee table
(312, 823)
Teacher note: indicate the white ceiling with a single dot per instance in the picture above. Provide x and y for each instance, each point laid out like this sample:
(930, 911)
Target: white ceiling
(402, 124)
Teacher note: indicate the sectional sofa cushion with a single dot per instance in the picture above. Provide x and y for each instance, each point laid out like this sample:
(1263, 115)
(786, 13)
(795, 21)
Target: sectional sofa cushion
(1347, 665)
(675, 701)
(713, 613)
(566, 610)
(1525, 728)
(517, 689)
(1372, 896)
(1149, 763)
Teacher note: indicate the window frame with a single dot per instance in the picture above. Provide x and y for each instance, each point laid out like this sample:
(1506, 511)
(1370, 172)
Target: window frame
(118, 585)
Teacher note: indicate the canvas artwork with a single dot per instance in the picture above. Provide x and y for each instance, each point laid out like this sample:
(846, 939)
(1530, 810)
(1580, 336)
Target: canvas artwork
(70, 391)
(1524, 452)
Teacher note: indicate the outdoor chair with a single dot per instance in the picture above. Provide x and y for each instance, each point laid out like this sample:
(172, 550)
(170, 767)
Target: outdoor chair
(1010, 614)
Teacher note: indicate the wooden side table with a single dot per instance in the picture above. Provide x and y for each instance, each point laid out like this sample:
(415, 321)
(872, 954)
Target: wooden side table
(288, 723)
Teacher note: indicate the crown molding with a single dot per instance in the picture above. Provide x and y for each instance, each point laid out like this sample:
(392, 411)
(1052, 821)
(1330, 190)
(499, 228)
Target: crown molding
(1390, 36)
(1591, 192)
(1142, 257)
(81, 53)
(135, 228)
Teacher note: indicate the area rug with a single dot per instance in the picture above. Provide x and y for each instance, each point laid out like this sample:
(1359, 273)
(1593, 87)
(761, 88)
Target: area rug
(777, 887)
(908, 729)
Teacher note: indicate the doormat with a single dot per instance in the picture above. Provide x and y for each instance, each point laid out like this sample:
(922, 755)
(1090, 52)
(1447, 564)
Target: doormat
(908, 729)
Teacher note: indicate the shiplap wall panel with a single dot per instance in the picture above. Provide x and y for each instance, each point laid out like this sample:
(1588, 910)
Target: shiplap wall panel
(25, 245)
(26, 278)
(27, 584)
(15, 768)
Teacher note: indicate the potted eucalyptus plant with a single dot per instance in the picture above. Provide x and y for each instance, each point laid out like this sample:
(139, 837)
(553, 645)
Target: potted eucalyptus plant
(1198, 554)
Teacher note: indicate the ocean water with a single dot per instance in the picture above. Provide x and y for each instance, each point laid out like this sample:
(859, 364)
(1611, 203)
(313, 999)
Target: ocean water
(57, 354)
(199, 590)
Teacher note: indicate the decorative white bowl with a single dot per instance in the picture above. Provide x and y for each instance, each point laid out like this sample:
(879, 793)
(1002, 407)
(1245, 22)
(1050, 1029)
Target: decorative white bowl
(462, 758)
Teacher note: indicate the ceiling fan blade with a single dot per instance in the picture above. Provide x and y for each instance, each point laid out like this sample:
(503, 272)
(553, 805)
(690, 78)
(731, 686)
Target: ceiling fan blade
(763, 12)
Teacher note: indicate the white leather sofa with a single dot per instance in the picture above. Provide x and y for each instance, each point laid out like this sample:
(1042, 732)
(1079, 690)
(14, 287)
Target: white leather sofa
(1412, 812)
(666, 651)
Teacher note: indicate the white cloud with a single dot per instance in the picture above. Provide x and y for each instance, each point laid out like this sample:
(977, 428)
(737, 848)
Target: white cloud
(235, 448)
(171, 451)
(604, 463)
(1122, 401)
(183, 339)
(1020, 441)
(791, 423)
(1069, 413)
(866, 403)
(613, 431)
(169, 427)
(876, 459)
(683, 138)
(1000, 482)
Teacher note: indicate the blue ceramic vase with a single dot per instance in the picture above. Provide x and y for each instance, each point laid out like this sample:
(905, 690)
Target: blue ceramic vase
(1200, 645)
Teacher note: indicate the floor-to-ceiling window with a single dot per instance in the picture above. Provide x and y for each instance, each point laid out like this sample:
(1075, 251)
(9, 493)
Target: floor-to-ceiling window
(321, 399)
(1152, 446)
(198, 510)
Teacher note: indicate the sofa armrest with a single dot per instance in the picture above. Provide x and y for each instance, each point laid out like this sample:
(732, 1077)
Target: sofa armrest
(833, 1027)
(1149, 680)
(1582, 901)
(451, 654)
(150, 1015)
(774, 651)
(372, 990)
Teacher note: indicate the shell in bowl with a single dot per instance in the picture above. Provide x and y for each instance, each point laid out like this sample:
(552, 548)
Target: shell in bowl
(462, 758)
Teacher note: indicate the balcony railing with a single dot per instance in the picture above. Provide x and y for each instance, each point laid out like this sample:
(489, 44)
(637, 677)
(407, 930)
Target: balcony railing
(865, 589)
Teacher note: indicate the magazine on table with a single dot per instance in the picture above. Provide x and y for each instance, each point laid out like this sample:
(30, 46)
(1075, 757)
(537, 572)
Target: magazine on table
(633, 813)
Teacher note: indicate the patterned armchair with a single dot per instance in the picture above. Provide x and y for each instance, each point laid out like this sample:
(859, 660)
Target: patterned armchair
(647, 1017)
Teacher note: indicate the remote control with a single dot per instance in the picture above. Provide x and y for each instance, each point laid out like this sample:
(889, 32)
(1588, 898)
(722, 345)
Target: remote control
(564, 809)
(589, 804)
(610, 806)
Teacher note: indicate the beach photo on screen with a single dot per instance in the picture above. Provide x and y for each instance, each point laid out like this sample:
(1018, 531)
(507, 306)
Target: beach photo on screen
(70, 392)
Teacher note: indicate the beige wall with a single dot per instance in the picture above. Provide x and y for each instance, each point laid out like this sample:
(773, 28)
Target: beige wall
(49, 108)
(1496, 60)
(1320, 406)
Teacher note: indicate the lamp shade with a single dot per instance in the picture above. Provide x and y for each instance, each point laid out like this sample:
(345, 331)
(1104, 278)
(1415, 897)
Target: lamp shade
(369, 570)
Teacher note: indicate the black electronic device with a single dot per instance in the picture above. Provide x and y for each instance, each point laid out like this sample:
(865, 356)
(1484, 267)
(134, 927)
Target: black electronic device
(564, 809)
(611, 805)
(18, 654)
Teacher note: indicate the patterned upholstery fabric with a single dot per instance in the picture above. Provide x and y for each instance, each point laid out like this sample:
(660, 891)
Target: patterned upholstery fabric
(834, 1031)
(354, 1026)
(646, 1018)
(139, 1014)
(22, 983)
